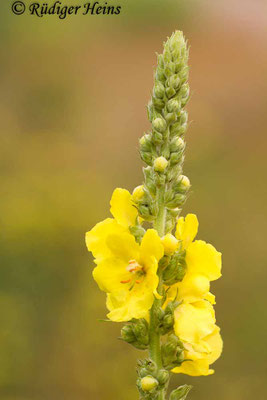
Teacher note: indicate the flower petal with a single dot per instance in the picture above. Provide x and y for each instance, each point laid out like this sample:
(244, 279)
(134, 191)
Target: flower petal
(194, 287)
(203, 258)
(126, 306)
(215, 342)
(122, 207)
(109, 274)
(194, 368)
(193, 322)
(151, 248)
(96, 238)
(123, 246)
(186, 229)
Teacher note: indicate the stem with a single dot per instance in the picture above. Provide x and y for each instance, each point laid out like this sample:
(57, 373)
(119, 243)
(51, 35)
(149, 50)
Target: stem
(155, 342)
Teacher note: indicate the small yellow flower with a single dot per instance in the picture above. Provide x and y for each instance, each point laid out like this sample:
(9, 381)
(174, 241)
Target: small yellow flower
(203, 263)
(148, 383)
(138, 193)
(160, 164)
(195, 326)
(170, 243)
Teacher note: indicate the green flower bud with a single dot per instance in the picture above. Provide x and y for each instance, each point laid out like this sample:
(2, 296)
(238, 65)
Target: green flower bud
(163, 376)
(180, 393)
(183, 117)
(145, 143)
(170, 92)
(174, 81)
(159, 90)
(157, 137)
(173, 105)
(171, 117)
(146, 157)
(160, 76)
(159, 124)
(177, 144)
(175, 158)
(127, 334)
(138, 232)
(158, 103)
(176, 269)
(148, 383)
(136, 333)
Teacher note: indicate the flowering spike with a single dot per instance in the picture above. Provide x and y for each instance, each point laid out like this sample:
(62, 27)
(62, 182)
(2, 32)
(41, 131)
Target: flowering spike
(158, 281)
(163, 148)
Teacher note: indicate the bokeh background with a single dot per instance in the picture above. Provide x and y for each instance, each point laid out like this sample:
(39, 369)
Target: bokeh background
(72, 107)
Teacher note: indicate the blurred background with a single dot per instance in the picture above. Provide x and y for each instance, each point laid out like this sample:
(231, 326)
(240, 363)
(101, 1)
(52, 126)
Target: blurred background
(72, 107)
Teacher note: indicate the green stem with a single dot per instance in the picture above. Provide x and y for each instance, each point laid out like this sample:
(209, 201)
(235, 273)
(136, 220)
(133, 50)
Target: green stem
(155, 342)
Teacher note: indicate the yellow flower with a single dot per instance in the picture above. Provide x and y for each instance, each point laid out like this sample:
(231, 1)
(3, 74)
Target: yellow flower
(195, 326)
(129, 274)
(124, 214)
(203, 263)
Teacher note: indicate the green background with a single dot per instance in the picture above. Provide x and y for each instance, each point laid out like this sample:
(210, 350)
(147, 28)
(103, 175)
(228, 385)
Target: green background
(72, 107)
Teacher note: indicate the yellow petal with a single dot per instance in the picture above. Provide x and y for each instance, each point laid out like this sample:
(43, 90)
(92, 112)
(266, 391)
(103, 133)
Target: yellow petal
(193, 322)
(109, 273)
(151, 247)
(211, 298)
(122, 207)
(96, 237)
(203, 258)
(194, 368)
(215, 342)
(194, 287)
(125, 306)
(186, 229)
(123, 246)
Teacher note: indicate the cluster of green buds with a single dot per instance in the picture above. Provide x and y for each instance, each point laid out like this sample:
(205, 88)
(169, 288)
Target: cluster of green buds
(151, 380)
(136, 333)
(172, 352)
(175, 269)
(162, 149)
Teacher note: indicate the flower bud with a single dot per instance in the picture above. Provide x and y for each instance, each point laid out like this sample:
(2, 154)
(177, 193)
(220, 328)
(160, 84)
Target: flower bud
(163, 376)
(148, 383)
(157, 137)
(145, 143)
(159, 90)
(177, 144)
(138, 193)
(146, 157)
(159, 124)
(176, 158)
(180, 393)
(170, 243)
(127, 334)
(173, 105)
(174, 81)
(175, 271)
(170, 92)
(183, 117)
(185, 182)
(160, 164)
